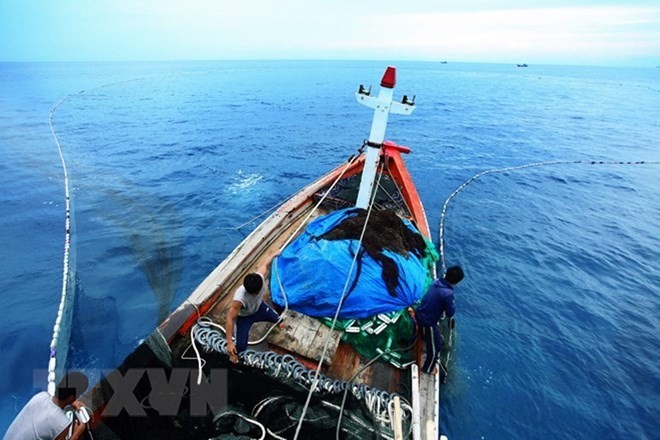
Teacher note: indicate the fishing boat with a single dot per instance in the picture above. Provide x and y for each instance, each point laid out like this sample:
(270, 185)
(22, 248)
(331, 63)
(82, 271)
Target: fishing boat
(343, 261)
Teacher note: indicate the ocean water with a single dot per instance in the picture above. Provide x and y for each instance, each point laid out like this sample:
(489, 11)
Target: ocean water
(558, 322)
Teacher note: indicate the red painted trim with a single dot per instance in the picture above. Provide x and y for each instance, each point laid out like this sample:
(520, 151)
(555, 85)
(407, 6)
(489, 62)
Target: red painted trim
(97, 416)
(389, 78)
(401, 176)
(192, 319)
(389, 145)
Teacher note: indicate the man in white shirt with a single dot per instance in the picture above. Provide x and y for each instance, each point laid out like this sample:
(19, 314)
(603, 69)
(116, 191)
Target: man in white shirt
(247, 308)
(43, 417)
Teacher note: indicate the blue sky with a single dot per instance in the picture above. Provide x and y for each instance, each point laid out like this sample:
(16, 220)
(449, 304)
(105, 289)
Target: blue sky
(507, 31)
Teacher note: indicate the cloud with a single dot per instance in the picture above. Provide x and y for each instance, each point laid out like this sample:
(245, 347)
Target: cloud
(343, 29)
(591, 32)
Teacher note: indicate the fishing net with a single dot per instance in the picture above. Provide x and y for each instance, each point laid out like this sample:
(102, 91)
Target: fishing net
(385, 231)
(261, 403)
(388, 334)
(344, 194)
(277, 404)
(282, 414)
(312, 275)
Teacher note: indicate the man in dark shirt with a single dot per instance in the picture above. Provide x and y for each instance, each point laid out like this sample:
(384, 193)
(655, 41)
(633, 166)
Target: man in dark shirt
(438, 300)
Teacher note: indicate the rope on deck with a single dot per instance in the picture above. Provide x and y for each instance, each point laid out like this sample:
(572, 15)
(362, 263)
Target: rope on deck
(328, 336)
(379, 402)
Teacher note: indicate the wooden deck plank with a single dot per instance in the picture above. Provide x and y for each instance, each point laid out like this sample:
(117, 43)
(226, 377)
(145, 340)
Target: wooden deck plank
(346, 363)
(306, 336)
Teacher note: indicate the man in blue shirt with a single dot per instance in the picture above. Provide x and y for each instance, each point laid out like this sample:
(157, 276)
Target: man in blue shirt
(438, 301)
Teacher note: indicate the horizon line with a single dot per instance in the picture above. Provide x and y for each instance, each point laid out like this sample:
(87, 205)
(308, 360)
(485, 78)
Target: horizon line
(430, 61)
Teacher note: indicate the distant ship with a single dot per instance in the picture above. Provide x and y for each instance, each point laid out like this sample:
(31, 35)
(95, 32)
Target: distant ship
(443, 62)
(521, 65)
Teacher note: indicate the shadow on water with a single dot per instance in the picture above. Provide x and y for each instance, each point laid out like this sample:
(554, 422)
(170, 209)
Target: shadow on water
(87, 329)
(154, 231)
(141, 234)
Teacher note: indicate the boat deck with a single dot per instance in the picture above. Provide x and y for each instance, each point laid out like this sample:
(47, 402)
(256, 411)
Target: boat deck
(282, 382)
(304, 337)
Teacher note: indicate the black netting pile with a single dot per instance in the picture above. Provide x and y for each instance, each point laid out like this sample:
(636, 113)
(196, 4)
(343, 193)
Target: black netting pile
(278, 405)
(255, 400)
(385, 231)
(232, 426)
(282, 413)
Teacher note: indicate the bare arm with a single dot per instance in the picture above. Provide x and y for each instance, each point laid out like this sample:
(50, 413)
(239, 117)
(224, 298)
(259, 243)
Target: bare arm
(235, 307)
(78, 431)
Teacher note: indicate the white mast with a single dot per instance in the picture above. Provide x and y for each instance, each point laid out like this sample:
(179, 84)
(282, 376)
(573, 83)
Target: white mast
(382, 106)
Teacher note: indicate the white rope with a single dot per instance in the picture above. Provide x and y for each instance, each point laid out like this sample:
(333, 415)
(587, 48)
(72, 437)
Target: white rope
(304, 222)
(200, 362)
(64, 298)
(66, 270)
(441, 241)
(247, 419)
(287, 367)
(328, 336)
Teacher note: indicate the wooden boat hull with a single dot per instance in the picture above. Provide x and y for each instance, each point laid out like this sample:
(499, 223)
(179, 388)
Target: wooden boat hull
(169, 346)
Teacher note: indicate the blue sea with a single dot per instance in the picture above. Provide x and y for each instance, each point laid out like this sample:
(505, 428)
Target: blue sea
(558, 322)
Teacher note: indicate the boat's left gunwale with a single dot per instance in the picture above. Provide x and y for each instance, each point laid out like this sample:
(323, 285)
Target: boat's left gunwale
(212, 288)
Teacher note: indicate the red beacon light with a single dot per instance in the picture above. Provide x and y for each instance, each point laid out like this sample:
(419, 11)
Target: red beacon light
(389, 78)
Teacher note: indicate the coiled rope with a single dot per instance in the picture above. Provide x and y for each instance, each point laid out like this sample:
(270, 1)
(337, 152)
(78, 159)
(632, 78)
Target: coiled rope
(441, 229)
(210, 336)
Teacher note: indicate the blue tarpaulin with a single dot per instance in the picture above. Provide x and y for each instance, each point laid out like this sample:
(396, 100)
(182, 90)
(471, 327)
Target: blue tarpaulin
(314, 274)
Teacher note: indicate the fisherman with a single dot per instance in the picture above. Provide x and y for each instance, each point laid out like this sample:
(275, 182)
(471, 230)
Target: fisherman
(247, 308)
(43, 417)
(438, 300)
